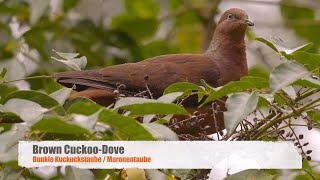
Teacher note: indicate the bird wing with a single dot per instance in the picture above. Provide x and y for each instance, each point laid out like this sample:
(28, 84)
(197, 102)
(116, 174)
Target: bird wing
(157, 73)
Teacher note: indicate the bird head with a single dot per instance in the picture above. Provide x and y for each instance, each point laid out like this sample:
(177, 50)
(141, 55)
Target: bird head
(234, 23)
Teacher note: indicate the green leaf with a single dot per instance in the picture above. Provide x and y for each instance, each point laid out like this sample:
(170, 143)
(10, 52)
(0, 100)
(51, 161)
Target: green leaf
(3, 73)
(10, 173)
(268, 43)
(5, 90)
(284, 50)
(248, 82)
(238, 106)
(171, 97)
(4, 127)
(161, 121)
(256, 71)
(71, 60)
(167, 98)
(279, 46)
(207, 87)
(285, 74)
(310, 60)
(87, 122)
(133, 100)
(8, 117)
(161, 132)
(58, 126)
(302, 48)
(47, 84)
(28, 111)
(42, 99)
(73, 173)
(124, 127)
(84, 108)
(308, 82)
(155, 108)
(264, 100)
(61, 95)
(9, 140)
(251, 174)
(76, 100)
(314, 115)
(182, 87)
(279, 100)
(290, 91)
(306, 165)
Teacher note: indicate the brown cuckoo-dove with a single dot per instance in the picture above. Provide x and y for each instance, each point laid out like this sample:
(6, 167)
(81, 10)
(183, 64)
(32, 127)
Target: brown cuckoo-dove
(223, 61)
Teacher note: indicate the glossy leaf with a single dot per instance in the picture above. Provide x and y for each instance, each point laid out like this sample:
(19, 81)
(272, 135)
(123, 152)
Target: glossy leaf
(310, 60)
(71, 60)
(314, 115)
(133, 100)
(239, 106)
(124, 127)
(76, 100)
(285, 74)
(248, 82)
(58, 126)
(87, 122)
(268, 43)
(61, 95)
(161, 132)
(308, 82)
(28, 111)
(167, 98)
(181, 87)
(42, 99)
(155, 108)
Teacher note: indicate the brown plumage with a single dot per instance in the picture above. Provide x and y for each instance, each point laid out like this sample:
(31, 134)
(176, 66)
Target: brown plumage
(224, 61)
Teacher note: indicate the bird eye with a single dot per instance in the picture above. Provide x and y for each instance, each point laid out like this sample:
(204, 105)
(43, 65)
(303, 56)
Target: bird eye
(230, 16)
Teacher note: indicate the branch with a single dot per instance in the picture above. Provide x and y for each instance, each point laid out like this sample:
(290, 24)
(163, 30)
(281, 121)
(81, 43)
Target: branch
(276, 121)
(27, 78)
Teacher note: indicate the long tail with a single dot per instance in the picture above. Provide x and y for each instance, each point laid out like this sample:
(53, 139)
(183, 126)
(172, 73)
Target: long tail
(82, 79)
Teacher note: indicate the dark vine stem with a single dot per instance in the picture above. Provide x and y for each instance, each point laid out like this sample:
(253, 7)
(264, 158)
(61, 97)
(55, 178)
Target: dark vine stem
(280, 119)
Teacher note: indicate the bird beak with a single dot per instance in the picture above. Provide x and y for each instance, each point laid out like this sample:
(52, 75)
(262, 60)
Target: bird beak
(248, 22)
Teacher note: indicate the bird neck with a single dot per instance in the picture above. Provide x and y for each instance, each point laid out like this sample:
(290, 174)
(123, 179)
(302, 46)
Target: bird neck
(222, 43)
(229, 53)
